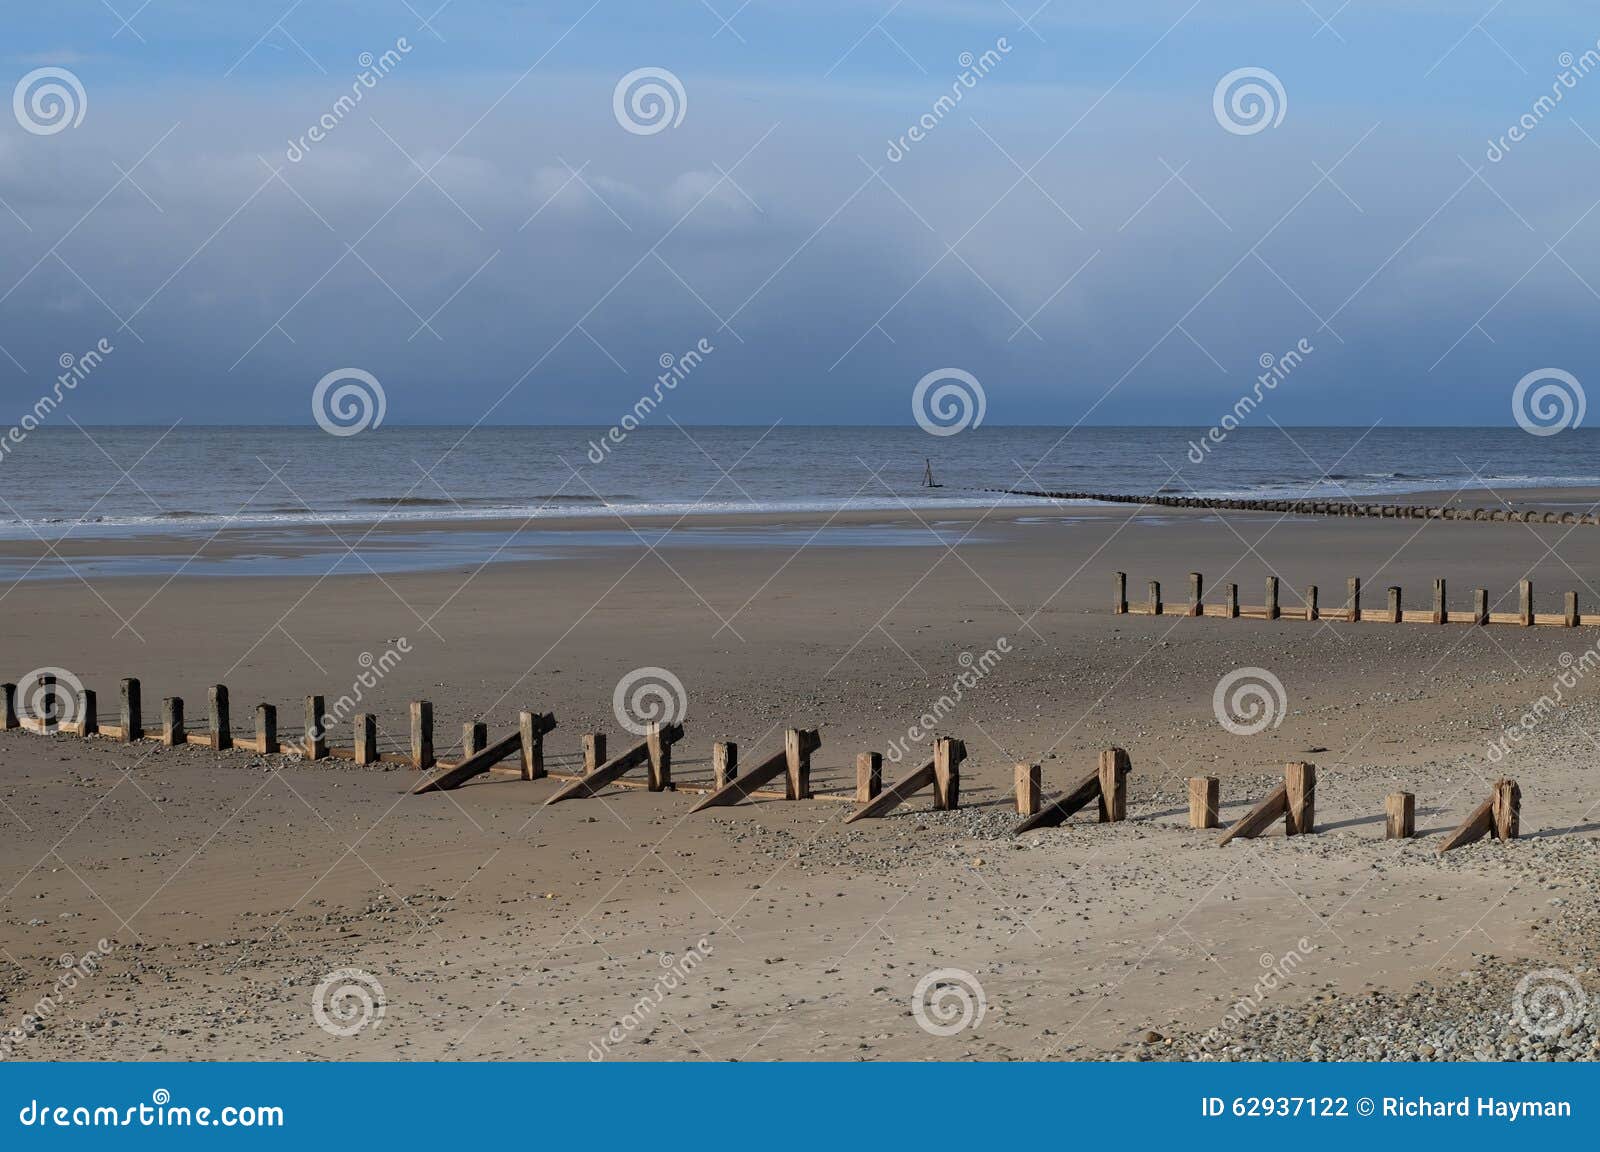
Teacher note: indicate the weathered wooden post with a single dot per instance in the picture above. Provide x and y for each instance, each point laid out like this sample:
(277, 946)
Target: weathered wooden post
(422, 734)
(316, 745)
(1570, 615)
(724, 763)
(1439, 612)
(221, 729)
(948, 753)
(1400, 816)
(266, 728)
(1353, 596)
(1507, 809)
(531, 727)
(1272, 597)
(1300, 780)
(1311, 603)
(1480, 605)
(869, 776)
(1232, 607)
(172, 733)
(1394, 604)
(1114, 769)
(366, 738)
(1155, 597)
(1205, 794)
(88, 713)
(1196, 585)
(48, 706)
(1029, 788)
(797, 749)
(1119, 606)
(474, 737)
(660, 778)
(8, 720)
(132, 719)
(594, 751)
(1525, 605)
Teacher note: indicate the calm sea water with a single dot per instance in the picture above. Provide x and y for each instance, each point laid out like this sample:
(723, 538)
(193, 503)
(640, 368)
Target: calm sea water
(129, 480)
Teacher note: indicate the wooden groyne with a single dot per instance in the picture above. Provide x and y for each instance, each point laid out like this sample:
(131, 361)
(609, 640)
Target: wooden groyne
(1321, 507)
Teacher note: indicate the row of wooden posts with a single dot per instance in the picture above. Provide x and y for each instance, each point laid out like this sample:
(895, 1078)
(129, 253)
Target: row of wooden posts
(1311, 607)
(1106, 787)
(1323, 507)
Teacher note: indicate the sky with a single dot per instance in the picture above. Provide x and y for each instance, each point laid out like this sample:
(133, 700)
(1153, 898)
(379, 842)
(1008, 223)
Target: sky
(1087, 233)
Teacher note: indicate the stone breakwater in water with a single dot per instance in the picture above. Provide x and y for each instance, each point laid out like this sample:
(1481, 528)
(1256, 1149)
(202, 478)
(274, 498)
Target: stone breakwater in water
(1322, 507)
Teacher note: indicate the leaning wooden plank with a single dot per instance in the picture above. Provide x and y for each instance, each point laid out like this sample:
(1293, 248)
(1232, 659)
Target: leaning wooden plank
(1478, 824)
(894, 795)
(474, 765)
(1259, 818)
(618, 765)
(1086, 791)
(745, 785)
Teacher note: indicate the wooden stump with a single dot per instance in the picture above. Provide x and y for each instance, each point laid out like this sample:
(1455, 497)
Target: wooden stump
(594, 751)
(1507, 809)
(172, 734)
(1525, 602)
(1196, 586)
(1155, 597)
(1480, 605)
(221, 728)
(474, 737)
(724, 763)
(1439, 612)
(1028, 789)
(1311, 603)
(798, 745)
(660, 777)
(1232, 602)
(88, 713)
(422, 734)
(1400, 816)
(8, 720)
(1353, 598)
(531, 727)
(1272, 597)
(1205, 794)
(266, 728)
(366, 738)
(316, 740)
(948, 753)
(1300, 781)
(1570, 614)
(1114, 768)
(869, 776)
(1394, 604)
(132, 716)
(1119, 606)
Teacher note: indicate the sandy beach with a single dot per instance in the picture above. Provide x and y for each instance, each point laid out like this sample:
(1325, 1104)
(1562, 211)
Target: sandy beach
(227, 886)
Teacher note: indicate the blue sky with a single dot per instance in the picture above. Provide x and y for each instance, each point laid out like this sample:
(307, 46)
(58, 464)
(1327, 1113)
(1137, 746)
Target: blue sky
(549, 259)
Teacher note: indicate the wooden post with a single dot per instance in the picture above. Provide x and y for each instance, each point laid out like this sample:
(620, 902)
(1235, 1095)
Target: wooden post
(1353, 598)
(316, 746)
(1272, 597)
(1311, 603)
(1119, 606)
(1232, 607)
(221, 729)
(266, 728)
(1394, 604)
(1029, 791)
(422, 734)
(474, 736)
(88, 713)
(797, 749)
(660, 777)
(132, 719)
(1525, 596)
(1480, 605)
(1571, 614)
(1400, 816)
(1155, 597)
(948, 754)
(1300, 780)
(1205, 792)
(9, 719)
(49, 716)
(594, 751)
(531, 726)
(1439, 614)
(1114, 768)
(869, 776)
(366, 738)
(724, 763)
(1196, 584)
(1507, 809)
(172, 734)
